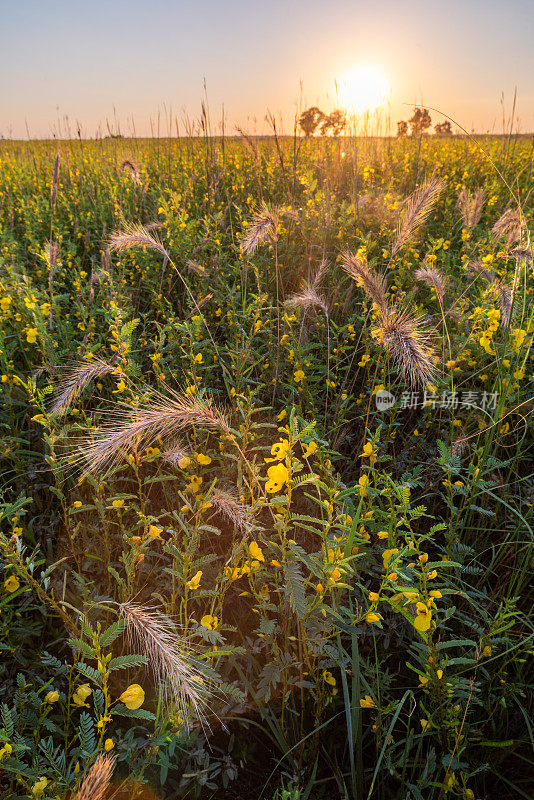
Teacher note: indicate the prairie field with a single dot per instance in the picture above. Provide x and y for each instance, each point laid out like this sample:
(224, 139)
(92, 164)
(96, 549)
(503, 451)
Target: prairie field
(267, 468)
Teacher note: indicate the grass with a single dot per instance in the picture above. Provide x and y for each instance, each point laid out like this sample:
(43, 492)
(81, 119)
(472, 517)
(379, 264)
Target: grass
(266, 468)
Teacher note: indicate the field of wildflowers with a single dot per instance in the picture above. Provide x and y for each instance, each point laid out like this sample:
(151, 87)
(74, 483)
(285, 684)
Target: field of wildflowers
(266, 455)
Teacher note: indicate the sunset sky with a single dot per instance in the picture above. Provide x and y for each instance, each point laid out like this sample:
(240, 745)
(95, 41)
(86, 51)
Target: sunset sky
(126, 59)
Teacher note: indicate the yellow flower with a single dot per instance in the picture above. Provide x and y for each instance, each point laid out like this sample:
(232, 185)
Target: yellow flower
(364, 483)
(371, 617)
(52, 697)
(195, 580)
(424, 724)
(278, 476)
(6, 750)
(310, 449)
(78, 504)
(184, 462)
(102, 721)
(423, 618)
(81, 694)
(279, 450)
(368, 450)
(154, 532)
(387, 555)
(432, 574)
(39, 787)
(203, 460)
(11, 584)
(198, 358)
(121, 385)
(486, 651)
(328, 677)
(367, 702)
(282, 415)
(382, 534)
(109, 744)
(118, 503)
(256, 551)
(31, 335)
(209, 622)
(335, 575)
(299, 375)
(133, 697)
(374, 597)
(194, 483)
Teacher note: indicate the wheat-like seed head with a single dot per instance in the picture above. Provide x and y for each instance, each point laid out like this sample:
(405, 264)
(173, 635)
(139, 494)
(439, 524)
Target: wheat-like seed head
(510, 226)
(416, 210)
(169, 658)
(307, 298)
(132, 170)
(136, 235)
(238, 514)
(163, 417)
(263, 227)
(374, 285)
(471, 207)
(432, 277)
(97, 779)
(478, 267)
(73, 384)
(505, 300)
(407, 342)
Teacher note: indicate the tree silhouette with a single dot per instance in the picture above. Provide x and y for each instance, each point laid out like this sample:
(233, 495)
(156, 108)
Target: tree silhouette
(420, 121)
(443, 128)
(310, 120)
(402, 128)
(334, 123)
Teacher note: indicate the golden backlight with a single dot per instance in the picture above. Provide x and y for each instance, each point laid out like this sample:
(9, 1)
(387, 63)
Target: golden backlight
(363, 88)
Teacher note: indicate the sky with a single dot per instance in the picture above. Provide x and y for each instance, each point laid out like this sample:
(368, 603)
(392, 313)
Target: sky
(120, 63)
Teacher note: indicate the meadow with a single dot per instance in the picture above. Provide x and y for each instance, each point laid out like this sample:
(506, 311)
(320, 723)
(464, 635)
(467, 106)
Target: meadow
(267, 468)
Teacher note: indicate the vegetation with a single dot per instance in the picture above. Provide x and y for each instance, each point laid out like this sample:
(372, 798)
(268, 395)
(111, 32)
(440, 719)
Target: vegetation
(267, 468)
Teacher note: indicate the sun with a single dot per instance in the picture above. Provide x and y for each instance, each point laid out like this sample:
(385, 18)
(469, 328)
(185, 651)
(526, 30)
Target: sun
(363, 88)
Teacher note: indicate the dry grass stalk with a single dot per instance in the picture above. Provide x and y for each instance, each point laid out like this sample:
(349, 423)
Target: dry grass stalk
(161, 418)
(407, 343)
(136, 235)
(96, 782)
(509, 226)
(169, 658)
(78, 377)
(478, 267)
(175, 454)
(471, 207)
(416, 210)
(226, 504)
(263, 227)
(432, 277)
(522, 253)
(505, 301)
(308, 298)
(373, 285)
(195, 267)
(132, 170)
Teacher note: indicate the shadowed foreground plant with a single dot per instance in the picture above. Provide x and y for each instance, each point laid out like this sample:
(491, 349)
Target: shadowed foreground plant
(432, 277)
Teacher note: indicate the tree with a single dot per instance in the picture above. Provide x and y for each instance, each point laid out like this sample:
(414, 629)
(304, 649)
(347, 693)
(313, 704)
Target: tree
(443, 128)
(310, 120)
(402, 128)
(420, 121)
(334, 123)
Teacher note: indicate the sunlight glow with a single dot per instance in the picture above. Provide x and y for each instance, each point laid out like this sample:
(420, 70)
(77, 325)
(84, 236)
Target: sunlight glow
(363, 88)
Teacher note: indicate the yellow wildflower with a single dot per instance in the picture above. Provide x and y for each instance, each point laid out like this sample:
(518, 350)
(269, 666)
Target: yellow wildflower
(195, 580)
(278, 476)
(133, 697)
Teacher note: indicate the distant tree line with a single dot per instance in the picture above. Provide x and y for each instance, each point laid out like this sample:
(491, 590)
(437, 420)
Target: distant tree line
(420, 122)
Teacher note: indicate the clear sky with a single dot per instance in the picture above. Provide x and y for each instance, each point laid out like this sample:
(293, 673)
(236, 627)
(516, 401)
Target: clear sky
(98, 60)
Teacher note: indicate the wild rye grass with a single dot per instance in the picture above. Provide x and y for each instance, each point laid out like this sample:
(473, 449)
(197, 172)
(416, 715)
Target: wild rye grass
(225, 566)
